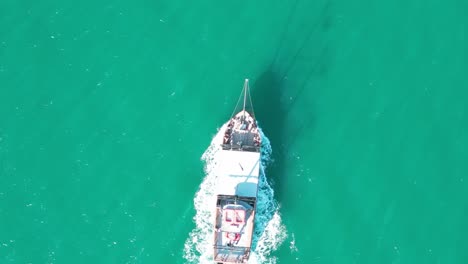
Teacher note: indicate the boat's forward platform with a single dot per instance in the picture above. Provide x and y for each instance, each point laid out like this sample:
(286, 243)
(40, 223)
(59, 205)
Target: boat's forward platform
(242, 133)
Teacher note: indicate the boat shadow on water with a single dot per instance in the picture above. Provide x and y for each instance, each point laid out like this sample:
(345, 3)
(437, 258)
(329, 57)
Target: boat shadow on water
(272, 110)
(275, 99)
(271, 114)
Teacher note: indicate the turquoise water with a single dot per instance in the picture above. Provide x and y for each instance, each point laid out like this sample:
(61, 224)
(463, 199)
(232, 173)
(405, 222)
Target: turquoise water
(106, 109)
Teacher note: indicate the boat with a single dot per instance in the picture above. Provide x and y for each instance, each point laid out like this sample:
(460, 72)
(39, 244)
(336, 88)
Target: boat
(237, 186)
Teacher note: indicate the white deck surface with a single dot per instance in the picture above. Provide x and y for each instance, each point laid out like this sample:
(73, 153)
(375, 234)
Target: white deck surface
(238, 173)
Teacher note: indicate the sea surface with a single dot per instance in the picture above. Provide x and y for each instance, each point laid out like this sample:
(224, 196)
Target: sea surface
(108, 110)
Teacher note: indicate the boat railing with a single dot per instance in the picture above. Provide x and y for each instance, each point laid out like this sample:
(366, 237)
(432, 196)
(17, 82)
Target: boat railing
(240, 147)
(233, 248)
(223, 198)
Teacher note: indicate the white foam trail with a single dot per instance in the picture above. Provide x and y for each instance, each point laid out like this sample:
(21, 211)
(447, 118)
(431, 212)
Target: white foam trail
(269, 230)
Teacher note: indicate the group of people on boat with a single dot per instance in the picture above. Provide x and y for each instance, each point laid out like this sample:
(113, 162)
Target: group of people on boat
(242, 124)
(256, 138)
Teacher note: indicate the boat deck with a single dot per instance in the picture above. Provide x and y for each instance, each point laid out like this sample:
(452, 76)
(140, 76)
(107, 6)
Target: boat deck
(242, 133)
(243, 138)
(232, 241)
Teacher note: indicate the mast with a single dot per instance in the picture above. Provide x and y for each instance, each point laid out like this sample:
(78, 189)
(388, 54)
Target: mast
(246, 86)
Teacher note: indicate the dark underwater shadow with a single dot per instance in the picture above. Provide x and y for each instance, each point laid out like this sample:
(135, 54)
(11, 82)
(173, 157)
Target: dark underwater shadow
(274, 100)
(271, 115)
(312, 58)
(284, 89)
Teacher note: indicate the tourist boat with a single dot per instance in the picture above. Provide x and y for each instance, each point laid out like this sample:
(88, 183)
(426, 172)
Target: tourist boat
(237, 185)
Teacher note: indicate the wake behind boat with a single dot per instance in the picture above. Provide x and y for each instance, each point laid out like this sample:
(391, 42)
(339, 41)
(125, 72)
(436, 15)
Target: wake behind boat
(237, 185)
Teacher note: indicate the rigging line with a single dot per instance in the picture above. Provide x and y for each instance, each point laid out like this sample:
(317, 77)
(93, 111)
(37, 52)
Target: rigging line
(237, 102)
(285, 30)
(246, 87)
(325, 10)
